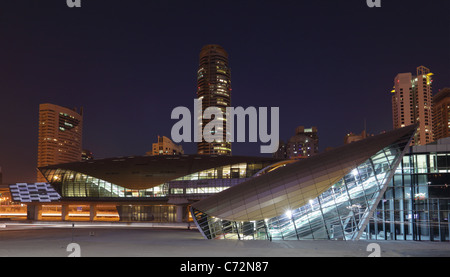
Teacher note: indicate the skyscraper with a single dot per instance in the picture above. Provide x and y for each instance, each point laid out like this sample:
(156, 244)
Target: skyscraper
(304, 144)
(214, 89)
(412, 103)
(87, 155)
(165, 146)
(60, 136)
(441, 114)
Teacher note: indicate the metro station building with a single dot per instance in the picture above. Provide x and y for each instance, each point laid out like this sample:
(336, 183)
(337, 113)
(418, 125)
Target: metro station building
(376, 188)
(137, 188)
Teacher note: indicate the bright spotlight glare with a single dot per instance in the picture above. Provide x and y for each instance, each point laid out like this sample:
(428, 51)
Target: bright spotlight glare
(289, 213)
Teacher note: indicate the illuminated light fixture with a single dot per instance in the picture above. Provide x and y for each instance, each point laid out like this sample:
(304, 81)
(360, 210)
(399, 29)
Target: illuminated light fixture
(288, 214)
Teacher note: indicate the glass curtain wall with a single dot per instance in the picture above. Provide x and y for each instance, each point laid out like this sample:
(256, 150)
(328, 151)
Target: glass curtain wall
(416, 204)
(235, 171)
(75, 184)
(152, 213)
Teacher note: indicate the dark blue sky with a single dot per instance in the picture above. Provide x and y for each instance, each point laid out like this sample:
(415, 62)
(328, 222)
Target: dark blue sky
(329, 64)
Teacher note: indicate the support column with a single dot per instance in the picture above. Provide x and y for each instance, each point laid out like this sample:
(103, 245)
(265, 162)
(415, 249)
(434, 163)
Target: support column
(92, 212)
(64, 212)
(33, 212)
(180, 213)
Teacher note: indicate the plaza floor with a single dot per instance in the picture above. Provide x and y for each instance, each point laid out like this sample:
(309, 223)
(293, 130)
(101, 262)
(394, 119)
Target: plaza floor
(142, 241)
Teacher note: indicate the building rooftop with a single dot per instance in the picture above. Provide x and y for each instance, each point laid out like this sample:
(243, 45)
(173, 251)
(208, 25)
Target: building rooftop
(142, 172)
(443, 93)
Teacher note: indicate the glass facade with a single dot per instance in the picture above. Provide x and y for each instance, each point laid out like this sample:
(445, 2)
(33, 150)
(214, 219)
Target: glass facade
(416, 204)
(153, 213)
(341, 212)
(235, 171)
(71, 184)
(75, 184)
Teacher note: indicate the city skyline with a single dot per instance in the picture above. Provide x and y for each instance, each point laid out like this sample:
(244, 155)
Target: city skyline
(130, 73)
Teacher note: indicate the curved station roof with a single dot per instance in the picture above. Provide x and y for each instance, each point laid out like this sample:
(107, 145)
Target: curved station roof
(143, 172)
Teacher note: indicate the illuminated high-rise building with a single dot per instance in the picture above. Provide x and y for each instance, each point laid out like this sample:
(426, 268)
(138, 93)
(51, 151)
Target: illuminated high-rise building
(304, 144)
(165, 146)
(214, 89)
(87, 155)
(60, 136)
(412, 103)
(441, 114)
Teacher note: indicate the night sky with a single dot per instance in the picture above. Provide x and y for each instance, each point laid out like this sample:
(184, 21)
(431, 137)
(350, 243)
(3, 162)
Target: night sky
(128, 63)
